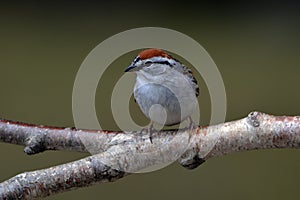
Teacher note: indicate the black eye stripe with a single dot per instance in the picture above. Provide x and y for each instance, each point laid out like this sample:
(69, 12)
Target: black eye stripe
(164, 62)
(158, 62)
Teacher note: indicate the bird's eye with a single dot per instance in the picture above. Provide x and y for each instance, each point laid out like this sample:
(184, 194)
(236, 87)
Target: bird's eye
(148, 63)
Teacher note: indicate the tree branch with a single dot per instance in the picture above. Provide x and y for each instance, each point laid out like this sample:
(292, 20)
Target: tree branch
(120, 153)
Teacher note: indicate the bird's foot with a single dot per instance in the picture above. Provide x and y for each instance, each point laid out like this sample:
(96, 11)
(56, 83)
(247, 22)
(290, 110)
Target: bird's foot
(192, 125)
(150, 130)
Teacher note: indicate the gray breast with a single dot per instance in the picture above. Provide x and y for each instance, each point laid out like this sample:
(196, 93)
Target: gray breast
(156, 95)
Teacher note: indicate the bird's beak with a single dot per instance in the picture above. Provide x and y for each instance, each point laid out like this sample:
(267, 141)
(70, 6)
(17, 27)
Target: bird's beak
(130, 68)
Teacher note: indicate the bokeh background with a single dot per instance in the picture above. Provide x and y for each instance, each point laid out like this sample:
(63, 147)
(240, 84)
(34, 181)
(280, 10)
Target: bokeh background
(255, 46)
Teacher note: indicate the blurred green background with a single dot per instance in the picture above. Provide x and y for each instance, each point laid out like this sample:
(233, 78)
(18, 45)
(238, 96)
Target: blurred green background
(255, 46)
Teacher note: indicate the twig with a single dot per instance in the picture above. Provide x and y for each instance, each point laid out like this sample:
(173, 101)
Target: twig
(120, 153)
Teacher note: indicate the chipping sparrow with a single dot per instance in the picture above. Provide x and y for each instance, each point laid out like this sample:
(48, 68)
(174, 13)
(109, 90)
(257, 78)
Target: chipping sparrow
(165, 90)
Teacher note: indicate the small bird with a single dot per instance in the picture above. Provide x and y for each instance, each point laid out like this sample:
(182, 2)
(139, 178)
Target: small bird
(165, 90)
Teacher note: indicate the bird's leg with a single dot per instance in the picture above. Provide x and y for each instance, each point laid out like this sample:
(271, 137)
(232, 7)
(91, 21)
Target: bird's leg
(191, 124)
(150, 131)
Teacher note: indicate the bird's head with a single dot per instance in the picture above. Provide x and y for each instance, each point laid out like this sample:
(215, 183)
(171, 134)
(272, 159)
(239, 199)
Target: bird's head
(151, 61)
